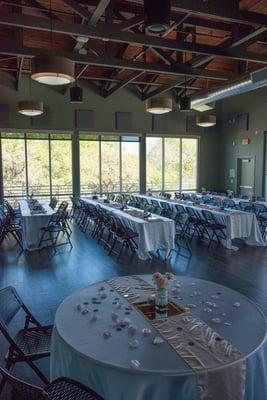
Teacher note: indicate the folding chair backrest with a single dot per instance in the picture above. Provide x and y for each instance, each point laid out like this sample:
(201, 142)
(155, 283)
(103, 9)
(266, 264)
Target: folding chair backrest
(63, 206)
(10, 305)
(22, 390)
(208, 216)
(165, 205)
(155, 203)
(259, 208)
(180, 209)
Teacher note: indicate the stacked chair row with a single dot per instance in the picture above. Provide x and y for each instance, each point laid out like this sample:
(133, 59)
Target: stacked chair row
(104, 226)
(10, 223)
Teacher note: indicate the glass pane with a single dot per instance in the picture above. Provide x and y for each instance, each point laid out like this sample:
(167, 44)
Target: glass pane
(89, 166)
(130, 167)
(61, 168)
(189, 161)
(14, 167)
(110, 164)
(172, 164)
(154, 163)
(38, 167)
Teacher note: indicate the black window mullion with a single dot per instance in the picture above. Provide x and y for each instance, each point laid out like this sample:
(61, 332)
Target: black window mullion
(50, 166)
(26, 165)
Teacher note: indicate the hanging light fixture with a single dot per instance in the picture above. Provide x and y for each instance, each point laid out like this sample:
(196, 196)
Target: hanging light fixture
(157, 15)
(31, 108)
(53, 70)
(76, 95)
(159, 105)
(206, 121)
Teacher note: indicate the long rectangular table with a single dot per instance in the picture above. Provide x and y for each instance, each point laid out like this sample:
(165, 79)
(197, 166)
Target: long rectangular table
(32, 223)
(239, 224)
(154, 234)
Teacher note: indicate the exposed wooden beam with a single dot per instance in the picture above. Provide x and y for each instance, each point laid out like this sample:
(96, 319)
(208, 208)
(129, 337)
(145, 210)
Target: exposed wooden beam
(226, 11)
(19, 72)
(103, 32)
(102, 5)
(199, 61)
(106, 61)
(130, 23)
(163, 56)
(218, 10)
(84, 68)
(123, 83)
(78, 9)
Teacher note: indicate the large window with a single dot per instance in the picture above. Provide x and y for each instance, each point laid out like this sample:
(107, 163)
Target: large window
(154, 176)
(171, 164)
(109, 164)
(39, 164)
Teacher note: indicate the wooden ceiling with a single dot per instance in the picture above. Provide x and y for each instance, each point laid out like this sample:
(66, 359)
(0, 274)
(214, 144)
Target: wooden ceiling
(209, 43)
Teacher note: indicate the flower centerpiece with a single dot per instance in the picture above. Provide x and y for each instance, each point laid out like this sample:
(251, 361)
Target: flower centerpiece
(161, 299)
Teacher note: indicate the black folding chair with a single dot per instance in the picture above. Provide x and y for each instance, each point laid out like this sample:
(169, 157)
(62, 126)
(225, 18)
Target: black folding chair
(59, 389)
(53, 203)
(31, 342)
(57, 224)
(217, 229)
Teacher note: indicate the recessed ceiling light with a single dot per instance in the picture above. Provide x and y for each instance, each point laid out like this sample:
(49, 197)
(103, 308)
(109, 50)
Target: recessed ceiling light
(157, 15)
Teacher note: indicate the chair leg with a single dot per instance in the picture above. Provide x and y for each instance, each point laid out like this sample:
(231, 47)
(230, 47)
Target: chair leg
(113, 245)
(38, 372)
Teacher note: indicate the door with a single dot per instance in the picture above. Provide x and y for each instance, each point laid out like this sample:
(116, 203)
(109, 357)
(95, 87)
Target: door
(245, 176)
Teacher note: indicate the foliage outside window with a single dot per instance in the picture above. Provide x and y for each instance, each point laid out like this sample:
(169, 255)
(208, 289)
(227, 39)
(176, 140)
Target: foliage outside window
(36, 163)
(171, 164)
(109, 164)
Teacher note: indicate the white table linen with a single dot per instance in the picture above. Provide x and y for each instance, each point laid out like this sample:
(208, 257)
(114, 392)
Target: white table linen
(152, 236)
(32, 223)
(239, 224)
(80, 351)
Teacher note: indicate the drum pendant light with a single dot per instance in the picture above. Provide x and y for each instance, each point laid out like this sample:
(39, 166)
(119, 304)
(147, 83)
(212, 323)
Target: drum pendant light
(53, 70)
(159, 105)
(157, 15)
(30, 108)
(206, 121)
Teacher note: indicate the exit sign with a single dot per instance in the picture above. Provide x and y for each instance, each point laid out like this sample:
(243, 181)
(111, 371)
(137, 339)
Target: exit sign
(245, 141)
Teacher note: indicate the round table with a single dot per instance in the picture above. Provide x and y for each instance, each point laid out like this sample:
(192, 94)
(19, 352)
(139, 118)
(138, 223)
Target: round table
(214, 349)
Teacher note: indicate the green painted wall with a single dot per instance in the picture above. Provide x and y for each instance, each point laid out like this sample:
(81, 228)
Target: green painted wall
(62, 117)
(230, 139)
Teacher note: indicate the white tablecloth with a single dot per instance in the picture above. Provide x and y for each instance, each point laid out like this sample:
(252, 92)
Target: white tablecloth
(229, 357)
(31, 224)
(239, 224)
(152, 236)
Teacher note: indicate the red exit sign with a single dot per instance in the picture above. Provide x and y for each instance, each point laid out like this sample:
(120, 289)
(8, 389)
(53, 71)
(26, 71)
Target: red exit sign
(245, 141)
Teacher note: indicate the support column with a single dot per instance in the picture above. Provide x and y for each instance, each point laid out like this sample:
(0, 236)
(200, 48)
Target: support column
(142, 164)
(75, 163)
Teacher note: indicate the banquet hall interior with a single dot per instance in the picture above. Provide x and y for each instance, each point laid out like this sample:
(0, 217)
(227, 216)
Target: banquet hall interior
(133, 199)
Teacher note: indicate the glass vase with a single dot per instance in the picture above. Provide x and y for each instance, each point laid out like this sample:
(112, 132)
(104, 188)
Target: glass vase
(161, 303)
